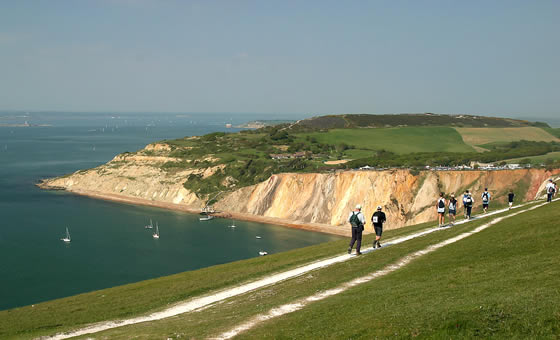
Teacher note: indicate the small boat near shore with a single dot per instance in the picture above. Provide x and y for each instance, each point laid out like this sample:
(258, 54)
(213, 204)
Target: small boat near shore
(263, 253)
(206, 218)
(156, 234)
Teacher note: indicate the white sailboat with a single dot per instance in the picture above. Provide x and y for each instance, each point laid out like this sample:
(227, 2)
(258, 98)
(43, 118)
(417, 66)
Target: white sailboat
(206, 217)
(156, 234)
(67, 238)
(232, 224)
(149, 226)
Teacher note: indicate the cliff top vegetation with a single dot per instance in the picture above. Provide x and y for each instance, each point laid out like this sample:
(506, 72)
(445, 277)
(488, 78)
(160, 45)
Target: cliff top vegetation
(252, 156)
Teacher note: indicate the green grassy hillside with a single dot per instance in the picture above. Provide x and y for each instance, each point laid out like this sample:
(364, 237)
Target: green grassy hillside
(499, 283)
(409, 119)
(400, 140)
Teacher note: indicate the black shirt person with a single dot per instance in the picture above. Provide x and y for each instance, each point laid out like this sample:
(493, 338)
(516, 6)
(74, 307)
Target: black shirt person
(510, 198)
(377, 219)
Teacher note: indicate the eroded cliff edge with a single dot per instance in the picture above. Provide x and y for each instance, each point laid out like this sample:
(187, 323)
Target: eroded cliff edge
(317, 201)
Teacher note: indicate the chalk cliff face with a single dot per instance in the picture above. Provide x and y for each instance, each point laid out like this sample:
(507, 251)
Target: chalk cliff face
(323, 198)
(406, 198)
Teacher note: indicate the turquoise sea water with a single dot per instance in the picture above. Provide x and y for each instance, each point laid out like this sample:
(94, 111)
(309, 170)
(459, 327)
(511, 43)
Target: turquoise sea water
(109, 243)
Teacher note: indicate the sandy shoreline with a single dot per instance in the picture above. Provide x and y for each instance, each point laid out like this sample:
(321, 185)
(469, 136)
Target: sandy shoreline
(317, 227)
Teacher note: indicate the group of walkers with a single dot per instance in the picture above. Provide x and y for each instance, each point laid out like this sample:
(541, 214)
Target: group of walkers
(357, 219)
(468, 202)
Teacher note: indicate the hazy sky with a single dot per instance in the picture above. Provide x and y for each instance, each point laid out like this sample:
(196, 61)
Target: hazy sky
(481, 57)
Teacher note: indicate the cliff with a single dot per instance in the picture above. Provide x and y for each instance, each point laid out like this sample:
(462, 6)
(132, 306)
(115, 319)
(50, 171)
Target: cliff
(317, 200)
(406, 198)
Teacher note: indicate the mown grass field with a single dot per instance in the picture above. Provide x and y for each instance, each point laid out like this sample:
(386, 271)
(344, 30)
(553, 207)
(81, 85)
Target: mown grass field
(500, 283)
(400, 140)
(481, 136)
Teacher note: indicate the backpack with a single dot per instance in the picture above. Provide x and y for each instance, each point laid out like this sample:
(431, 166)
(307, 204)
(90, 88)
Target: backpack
(551, 190)
(485, 197)
(468, 201)
(452, 204)
(354, 220)
(441, 203)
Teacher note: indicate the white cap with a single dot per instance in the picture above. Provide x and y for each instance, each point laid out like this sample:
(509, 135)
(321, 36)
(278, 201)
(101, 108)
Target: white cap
(358, 206)
(378, 207)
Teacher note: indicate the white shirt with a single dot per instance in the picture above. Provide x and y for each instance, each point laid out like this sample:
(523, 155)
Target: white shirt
(360, 216)
(549, 185)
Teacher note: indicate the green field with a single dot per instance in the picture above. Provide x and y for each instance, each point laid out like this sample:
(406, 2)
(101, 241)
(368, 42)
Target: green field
(400, 140)
(537, 159)
(553, 131)
(499, 283)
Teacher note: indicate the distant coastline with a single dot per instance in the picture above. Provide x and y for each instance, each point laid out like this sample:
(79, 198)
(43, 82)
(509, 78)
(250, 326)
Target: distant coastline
(24, 125)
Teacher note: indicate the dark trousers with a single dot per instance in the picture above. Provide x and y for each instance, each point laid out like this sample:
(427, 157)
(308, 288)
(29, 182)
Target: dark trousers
(356, 236)
(549, 197)
(469, 210)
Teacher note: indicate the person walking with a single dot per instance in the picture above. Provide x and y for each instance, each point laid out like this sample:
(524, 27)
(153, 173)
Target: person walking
(485, 200)
(510, 199)
(452, 209)
(440, 207)
(465, 195)
(550, 190)
(469, 204)
(357, 221)
(377, 219)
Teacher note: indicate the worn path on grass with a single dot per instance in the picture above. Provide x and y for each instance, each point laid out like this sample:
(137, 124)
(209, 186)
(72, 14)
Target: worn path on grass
(303, 302)
(205, 301)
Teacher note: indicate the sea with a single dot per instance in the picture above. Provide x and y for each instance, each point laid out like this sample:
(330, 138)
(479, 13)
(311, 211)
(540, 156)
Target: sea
(110, 245)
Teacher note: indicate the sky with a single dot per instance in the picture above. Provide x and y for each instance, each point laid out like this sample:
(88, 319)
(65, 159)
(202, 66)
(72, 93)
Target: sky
(323, 57)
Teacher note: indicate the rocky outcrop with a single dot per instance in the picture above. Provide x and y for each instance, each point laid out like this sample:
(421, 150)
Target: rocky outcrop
(298, 198)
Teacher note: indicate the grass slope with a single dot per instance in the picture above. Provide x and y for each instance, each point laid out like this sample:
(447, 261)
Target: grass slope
(350, 315)
(482, 136)
(501, 283)
(400, 140)
(537, 159)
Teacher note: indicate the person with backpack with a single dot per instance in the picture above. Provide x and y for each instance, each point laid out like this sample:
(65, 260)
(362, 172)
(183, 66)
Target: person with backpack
(469, 204)
(510, 199)
(357, 221)
(452, 208)
(485, 200)
(550, 190)
(377, 219)
(465, 195)
(440, 207)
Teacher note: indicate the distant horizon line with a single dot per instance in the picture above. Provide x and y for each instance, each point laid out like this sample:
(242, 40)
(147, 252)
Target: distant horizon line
(271, 113)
